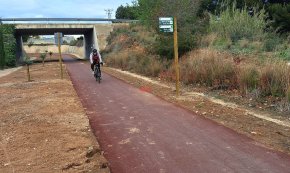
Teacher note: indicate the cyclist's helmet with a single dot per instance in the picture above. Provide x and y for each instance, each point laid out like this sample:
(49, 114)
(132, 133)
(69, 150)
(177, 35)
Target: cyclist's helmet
(95, 51)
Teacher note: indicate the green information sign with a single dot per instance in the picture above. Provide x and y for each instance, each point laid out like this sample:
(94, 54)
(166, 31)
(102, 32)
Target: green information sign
(166, 24)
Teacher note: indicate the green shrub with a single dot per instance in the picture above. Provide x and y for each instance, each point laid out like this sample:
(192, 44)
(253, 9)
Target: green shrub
(284, 54)
(9, 44)
(50, 54)
(271, 42)
(42, 57)
(133, 35)
(10, 50)
(2, 53)
(236, 24)
(280, 14)
(27, 60)
(116, 32)
(222, 43)
(190, 24)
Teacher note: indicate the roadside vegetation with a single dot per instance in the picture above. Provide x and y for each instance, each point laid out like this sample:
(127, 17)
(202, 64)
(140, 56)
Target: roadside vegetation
(8, 43)
(77, 42)
(229, 46)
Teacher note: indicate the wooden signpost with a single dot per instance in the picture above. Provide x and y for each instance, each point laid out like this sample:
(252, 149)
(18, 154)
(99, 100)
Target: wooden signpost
(169, 24)
(58, 40)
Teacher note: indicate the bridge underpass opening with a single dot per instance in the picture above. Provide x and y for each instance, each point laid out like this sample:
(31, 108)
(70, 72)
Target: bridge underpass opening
(88, 32)
(72, 44)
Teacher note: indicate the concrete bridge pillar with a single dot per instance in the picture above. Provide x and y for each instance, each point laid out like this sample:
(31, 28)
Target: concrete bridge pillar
(90, 42)
(19, 49)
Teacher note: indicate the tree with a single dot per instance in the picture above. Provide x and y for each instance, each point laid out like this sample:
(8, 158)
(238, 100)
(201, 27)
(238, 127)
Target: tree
(278, 10)
(28, 62)
(120, 12)
(9, 44)
(127, 12)
(217, 6)
(190, 26)
(79, 42)
(42, 57)
(50, 54)
(280, 14)
(25, 38)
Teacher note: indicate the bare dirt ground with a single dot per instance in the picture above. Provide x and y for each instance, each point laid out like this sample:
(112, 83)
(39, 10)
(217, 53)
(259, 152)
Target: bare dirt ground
(237, 117)
(43, 127)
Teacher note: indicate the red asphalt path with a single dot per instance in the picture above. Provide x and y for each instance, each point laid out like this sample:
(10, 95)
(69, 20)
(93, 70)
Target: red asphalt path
(140, 133)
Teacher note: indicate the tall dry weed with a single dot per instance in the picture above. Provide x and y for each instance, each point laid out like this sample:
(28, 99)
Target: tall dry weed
(208, 40)
(137, 62)
(208, 68)
(248, 78)
(288, 95)
(275, 78)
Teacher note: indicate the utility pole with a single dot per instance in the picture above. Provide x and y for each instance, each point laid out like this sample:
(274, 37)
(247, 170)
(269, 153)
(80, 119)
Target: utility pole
(109, 12)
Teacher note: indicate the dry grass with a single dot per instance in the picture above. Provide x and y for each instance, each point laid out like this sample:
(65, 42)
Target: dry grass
(288, 94)
(144, 35)
(208, 68)
(248, 78)
(244, 43)
(275, 78)
(116, 60)
(208, 40)
(137, 62)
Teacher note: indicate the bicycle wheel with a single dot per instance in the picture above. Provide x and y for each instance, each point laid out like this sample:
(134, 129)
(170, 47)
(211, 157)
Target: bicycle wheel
(97, 74)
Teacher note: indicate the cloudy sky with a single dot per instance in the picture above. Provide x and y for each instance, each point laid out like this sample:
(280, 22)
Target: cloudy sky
(58, 8)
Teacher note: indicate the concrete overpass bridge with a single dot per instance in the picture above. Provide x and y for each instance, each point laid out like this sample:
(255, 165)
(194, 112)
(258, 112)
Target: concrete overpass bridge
(95, 33)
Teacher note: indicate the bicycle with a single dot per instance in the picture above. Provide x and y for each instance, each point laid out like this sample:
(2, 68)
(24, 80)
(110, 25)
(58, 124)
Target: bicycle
(97, 73)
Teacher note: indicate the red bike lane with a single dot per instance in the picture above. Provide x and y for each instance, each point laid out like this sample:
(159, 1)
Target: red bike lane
(141, 133)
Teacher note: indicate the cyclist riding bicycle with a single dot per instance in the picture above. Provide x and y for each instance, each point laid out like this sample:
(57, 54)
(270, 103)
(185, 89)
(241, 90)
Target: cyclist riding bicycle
(95, 59)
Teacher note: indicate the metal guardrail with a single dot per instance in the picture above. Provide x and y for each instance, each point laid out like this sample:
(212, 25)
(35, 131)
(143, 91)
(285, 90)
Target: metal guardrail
(47, 20)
